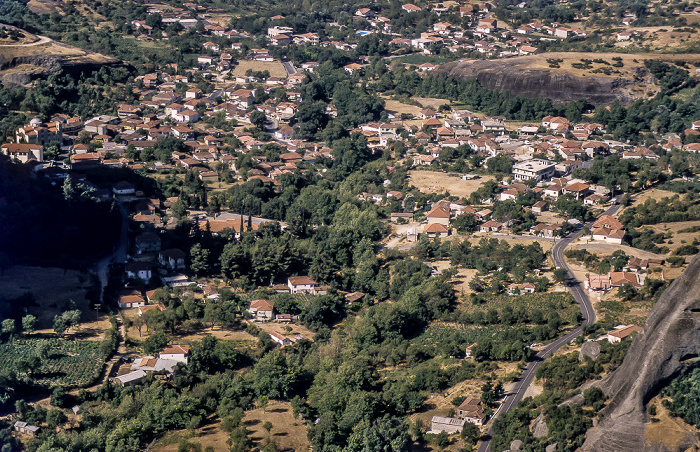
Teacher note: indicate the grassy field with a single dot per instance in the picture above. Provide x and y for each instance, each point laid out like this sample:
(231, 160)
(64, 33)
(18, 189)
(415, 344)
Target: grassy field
(287, 432)
(66, 363)
(670, 431)
(679, 238)
(275, 68)
(438, 182)
(398, 108)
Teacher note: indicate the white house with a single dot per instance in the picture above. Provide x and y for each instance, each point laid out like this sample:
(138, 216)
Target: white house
(139, 270)
(301, 284)
(280, 339)
(23, 152)
(123, 188)
(179, 353)
(172, 258)
(262, 309)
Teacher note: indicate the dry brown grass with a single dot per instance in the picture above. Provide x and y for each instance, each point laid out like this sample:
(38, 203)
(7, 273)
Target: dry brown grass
(679, 238)
(651, 193)
(287, 432)
(275, 68)
(437, 182)
(671, 431)
(431, 102)
(398, 108)
(628, 71)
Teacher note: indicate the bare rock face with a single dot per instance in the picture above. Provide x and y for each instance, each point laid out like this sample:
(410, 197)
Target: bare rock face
(514, 76)
(539, 427)
(670, 336)
(590, 349)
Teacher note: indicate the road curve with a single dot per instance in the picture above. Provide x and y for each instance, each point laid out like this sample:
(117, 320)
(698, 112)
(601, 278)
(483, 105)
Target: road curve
(584, 303)
(42, 40)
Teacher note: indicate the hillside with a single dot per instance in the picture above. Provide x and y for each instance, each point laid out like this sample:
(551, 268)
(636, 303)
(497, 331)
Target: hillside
(33, 55)
(598, 77)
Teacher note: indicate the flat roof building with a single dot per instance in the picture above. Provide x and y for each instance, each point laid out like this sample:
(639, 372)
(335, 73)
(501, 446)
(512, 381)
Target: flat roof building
(536, 169)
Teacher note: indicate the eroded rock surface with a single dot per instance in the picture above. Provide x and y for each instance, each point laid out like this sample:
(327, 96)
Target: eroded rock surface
(670, 336)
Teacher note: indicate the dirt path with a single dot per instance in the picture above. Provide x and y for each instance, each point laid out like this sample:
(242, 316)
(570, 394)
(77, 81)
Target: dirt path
(42, 40)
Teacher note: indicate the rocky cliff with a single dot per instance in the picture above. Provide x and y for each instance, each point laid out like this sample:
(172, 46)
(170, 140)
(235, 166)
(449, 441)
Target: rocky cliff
(19, 63)
(515, 75)
(670, 336)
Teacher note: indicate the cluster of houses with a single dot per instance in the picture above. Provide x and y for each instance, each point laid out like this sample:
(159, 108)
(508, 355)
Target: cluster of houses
(163, 364)
(634, 274)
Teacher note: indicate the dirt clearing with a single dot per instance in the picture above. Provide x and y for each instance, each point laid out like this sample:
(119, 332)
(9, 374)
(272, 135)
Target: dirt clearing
(436, 182)
(275, 68)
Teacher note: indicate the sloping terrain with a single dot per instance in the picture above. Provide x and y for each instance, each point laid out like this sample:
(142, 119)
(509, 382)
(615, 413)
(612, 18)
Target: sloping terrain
(38, 54)
(593, 76)
(670, 336)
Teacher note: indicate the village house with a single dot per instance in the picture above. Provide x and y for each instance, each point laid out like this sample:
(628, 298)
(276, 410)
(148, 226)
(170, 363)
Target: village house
(179, 353)
(23, 152)
(536, 169)
(619, 279)
(173, 259)
(262, 309)
(139, 270)
(280, 339)
(518, 289)
(436, 230)
(490, 226)
(471, 411)
(131, 300)
(28, 429)
(149, 307)
(599, 282)
(130, 379)
(439, 214)
(147, 242)
(301, 284)
(622, 332)
(439, 424)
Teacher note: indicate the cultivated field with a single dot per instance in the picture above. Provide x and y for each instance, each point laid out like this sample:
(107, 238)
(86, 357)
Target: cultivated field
(275, 68)
(438, 182)
(63, 362)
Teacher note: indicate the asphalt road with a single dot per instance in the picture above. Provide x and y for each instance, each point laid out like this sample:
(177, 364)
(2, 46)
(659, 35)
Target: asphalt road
(579, 294)
(289, 67)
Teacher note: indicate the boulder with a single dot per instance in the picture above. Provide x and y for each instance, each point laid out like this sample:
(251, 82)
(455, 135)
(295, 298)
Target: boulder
(539, 427)
(590, 349)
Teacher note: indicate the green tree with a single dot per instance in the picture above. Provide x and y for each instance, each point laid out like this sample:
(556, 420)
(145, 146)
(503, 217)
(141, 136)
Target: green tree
(9, 326)
(470, 433)
(29, 323)
(561, 275)
(199, 259)
(154, 343)
(258, 118)
(55, 417)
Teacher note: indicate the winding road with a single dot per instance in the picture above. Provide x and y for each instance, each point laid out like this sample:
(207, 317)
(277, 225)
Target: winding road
(584, 303)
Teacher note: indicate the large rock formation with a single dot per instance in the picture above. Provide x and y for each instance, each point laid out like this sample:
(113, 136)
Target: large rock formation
(514, 75)
(670, 336)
